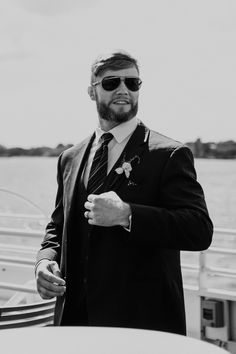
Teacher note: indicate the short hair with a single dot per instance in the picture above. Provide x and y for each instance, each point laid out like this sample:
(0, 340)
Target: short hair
(114, 61)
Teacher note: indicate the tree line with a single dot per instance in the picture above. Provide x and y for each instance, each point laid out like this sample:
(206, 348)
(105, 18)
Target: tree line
(222, 150)
(35, 151)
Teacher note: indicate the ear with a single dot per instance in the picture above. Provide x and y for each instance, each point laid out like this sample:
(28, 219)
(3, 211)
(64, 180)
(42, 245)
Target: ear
(91, 93)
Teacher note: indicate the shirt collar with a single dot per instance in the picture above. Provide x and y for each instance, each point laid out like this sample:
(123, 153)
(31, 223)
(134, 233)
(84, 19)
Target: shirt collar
(120, 132)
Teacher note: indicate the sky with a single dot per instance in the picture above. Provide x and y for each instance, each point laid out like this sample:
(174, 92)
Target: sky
(186, 51)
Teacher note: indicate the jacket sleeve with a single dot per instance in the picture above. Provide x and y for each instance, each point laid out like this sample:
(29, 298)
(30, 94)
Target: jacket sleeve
(51, 244)
(180, 220)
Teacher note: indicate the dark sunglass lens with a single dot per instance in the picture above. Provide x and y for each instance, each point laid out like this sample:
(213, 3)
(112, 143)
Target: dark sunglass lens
(133, 83)
(110, 84)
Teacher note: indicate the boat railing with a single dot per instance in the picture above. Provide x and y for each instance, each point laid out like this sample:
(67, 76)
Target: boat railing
(18, 248)
(23, 216)
(23, 198)
(29, 289)
(208, 274)
(201, 269)
(27, 315)
(26, 233)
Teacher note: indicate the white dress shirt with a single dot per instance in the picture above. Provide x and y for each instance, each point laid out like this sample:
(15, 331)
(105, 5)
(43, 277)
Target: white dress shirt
(121, 134)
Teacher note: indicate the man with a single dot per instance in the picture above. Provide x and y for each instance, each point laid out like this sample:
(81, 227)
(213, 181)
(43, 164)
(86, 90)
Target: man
(111, 254)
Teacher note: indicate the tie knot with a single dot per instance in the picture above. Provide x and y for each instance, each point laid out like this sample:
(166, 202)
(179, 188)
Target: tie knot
(106, 138)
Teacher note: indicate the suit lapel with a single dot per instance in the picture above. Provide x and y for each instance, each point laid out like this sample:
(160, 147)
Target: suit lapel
(134, 147)
(132, 153)
(78, 162)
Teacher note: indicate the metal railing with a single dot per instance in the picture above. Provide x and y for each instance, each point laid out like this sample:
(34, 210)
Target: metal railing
(5, 231)
(202, 269)
(18, 288)
(26, 200)
(17, 256)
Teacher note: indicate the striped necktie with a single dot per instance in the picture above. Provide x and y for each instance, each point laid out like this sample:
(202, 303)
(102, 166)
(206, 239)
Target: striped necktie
(98, 171)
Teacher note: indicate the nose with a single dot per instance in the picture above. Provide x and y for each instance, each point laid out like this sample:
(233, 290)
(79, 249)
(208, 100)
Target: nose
(122, 89)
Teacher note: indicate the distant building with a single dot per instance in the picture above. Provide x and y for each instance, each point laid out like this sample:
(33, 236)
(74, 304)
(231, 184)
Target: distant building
(223, 150)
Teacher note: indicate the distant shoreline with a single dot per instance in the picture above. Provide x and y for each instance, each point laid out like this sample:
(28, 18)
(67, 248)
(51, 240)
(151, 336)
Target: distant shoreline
(212, 150)
(209, 150)
(31, 152)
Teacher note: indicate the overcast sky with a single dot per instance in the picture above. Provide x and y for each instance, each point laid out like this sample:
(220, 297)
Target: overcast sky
(186, 50)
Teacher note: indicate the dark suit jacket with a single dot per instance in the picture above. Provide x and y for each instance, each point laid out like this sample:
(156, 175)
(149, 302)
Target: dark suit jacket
(134, 279)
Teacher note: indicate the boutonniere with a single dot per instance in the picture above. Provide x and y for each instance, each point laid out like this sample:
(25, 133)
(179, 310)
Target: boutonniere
(126, 166)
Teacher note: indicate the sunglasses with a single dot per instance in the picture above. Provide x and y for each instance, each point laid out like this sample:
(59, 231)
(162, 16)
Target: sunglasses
(111, 83)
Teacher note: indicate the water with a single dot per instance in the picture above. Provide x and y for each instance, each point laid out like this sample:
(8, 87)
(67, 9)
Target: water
(35, 178)
(218, 179)
(32, 177)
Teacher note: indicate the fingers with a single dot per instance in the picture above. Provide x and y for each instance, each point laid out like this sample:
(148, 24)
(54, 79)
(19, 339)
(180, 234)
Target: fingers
(91, 197)
(86, 214)
(49, 281)
(48, 290)
(56, 271)
(49, 276)
(88, 205)
(94, 199)
(103, 209)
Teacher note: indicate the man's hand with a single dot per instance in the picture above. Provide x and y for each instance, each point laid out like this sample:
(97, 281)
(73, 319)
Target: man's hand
(107, 209)
(48, 279)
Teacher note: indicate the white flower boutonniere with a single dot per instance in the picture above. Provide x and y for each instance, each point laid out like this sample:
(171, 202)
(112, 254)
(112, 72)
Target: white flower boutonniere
(126, 166)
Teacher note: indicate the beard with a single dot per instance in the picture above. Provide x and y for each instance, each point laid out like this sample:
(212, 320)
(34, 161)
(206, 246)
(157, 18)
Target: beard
(107, 113)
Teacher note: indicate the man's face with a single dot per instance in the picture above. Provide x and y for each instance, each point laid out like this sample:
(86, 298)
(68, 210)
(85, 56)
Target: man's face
(120, 104)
